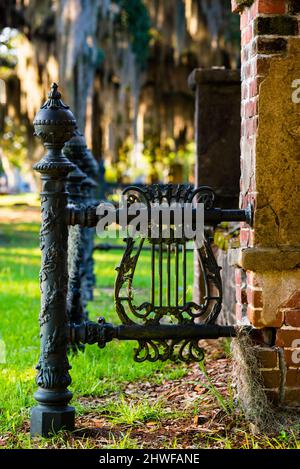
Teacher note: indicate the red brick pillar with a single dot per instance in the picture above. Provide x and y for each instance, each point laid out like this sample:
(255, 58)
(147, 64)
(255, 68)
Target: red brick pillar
(268, 261)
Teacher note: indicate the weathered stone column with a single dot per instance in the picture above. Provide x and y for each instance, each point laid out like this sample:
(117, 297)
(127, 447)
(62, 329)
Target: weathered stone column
(268, 273)
(217, 132)
(54, 124)
(217, 164)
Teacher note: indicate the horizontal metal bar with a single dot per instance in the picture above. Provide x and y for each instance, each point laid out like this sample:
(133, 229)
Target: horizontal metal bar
(214, 215)
(102, 332)
(88, 216)
(114, 247)
(121, 247)
(218, 215)
(173, 331)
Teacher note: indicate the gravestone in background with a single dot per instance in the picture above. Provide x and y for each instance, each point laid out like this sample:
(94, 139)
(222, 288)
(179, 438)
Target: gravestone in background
(217, 162)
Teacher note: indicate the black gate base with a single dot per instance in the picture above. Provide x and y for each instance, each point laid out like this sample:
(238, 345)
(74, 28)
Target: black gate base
(47, 420)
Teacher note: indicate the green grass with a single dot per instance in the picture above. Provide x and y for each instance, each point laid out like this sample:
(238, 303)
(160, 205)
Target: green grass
(29, 199)
(132, 414)
(62, 440)
(95, 372)
(226, 404)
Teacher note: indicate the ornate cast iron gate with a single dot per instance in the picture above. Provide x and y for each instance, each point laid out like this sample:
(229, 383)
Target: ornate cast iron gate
(166, 325)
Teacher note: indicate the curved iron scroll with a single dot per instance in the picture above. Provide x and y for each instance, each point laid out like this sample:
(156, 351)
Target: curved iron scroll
(176, 310)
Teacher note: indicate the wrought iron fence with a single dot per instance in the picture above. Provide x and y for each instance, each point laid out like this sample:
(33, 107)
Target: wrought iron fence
(166, 326)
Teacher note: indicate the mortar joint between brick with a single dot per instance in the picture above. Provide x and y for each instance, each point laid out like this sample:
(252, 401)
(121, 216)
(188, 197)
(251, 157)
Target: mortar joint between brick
(253, 288)
(283, 371)
(289, 328)
(270, 369)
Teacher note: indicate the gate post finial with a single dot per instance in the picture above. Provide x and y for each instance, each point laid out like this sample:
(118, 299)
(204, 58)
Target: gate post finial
(54, 124)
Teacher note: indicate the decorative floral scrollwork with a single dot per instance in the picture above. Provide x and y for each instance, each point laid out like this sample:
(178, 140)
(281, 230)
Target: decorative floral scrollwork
(181, 312)
(51, 377)
(152, 350)
(163, 350)
(190, 351)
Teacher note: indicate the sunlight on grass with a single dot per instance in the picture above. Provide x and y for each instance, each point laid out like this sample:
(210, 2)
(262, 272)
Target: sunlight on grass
(125, 442)
(14, 376)
(123, 412)
(30, 199)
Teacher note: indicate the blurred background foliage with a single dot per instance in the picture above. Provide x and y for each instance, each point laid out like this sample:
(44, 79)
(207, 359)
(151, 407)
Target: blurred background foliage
(123, 67)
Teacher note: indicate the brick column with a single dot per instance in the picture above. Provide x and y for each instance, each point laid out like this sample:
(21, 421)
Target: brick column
(268, 272)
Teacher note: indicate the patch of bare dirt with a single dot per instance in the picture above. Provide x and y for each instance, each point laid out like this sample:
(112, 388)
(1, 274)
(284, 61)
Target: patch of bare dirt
(195, 418)
(20, 214)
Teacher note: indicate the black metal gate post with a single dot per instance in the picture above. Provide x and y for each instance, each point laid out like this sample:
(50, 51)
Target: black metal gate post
(54, 124)
(76, 151)
(89, 166)
(76, 186)
(75, 306)
(91, 170)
